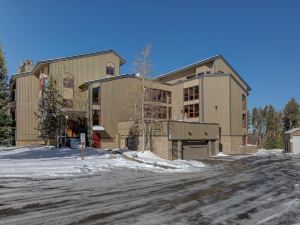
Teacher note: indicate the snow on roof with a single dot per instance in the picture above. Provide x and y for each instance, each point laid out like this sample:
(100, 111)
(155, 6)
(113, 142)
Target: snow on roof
(98, 128)
(292, 130)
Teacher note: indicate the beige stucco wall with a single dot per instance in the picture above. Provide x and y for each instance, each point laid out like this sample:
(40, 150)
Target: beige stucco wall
(193, 131)
(232, 144)
(220, 65)
(237, 111)
(27, 92)
(161, 147)
(216, 93)
(119, 101)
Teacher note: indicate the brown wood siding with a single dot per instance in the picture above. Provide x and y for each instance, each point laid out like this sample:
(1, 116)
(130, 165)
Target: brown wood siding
(27, 93)
(83, 69)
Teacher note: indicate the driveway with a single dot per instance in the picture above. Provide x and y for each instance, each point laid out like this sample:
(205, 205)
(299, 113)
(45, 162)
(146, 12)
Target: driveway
(262, 189)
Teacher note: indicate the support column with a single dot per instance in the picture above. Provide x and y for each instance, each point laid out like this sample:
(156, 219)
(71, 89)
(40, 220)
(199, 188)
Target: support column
(90, 115)
(179, 149)
(209, 146)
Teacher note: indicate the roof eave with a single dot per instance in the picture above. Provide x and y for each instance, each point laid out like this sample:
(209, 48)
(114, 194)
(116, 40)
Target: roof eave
(188, 66)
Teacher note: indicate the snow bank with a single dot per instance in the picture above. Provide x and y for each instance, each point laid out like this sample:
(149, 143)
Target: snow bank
(178, 165)
(51, 162)
(263, 152)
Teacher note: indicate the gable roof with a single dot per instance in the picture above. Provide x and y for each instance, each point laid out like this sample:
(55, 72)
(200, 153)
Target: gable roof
(292, 130)
(107, 78)
(47, 61)
(83, 55)
(199, 63)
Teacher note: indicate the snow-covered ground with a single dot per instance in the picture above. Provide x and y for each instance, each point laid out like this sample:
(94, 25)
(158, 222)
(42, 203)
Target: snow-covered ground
(52, 162)
(44, 186)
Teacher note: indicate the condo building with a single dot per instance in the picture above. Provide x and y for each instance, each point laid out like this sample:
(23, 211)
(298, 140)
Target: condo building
(197, 110)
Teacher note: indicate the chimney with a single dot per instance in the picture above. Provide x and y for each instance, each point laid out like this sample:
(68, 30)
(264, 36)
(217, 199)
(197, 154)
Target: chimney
(26, 66)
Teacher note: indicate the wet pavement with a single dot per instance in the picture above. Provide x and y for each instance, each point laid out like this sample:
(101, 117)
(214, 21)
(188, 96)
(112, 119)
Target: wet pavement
(247, 190)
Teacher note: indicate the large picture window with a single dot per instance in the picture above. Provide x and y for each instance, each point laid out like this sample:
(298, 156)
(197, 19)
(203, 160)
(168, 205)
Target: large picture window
(156, 95)
(191, 93)
(191, 111)
(157, 112)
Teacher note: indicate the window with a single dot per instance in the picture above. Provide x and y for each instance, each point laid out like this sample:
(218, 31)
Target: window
(196, 92)
(157, 112)
(186, 94)
(110, 69)
(191, 93)
(191, 111)
(96, 100)
(68, 103)
(68, 82)
(200, 74)
(196, 110)
(244, 120)
(96, 117)
(244, 102)
(161, 96)
(207, 72)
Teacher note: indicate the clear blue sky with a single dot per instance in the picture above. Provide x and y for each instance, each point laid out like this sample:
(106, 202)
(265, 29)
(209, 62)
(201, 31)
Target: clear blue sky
(261, 39)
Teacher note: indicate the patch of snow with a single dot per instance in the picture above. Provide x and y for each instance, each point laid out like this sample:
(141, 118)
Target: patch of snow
(48, 161)
(220, 154)
(262, 152)
(179, 165)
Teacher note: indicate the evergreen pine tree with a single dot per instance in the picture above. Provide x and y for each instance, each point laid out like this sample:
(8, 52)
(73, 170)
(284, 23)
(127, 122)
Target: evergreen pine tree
(291, 115)
(6, 131)
(51, 116)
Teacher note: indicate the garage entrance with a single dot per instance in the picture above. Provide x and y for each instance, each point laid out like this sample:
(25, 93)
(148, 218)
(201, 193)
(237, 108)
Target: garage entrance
(195, 150)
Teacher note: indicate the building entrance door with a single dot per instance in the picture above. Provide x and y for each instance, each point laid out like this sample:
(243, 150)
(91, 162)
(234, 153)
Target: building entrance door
(96, 140)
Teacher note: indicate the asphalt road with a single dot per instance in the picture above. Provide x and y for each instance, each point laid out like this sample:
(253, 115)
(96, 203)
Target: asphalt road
(253, 190)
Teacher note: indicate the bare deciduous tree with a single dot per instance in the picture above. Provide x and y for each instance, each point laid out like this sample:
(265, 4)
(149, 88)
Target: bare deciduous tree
(143, 68)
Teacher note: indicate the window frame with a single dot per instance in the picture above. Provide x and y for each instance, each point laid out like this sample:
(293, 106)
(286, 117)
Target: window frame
(110, 69)
(244, 120)
(244, 102)
(95, 118)
(68, 82)
(191, 93)
(96, 100)
(192, 110)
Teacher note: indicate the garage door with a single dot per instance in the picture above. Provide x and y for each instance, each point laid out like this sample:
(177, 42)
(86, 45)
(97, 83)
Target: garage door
(296, 144)
(195, 150)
